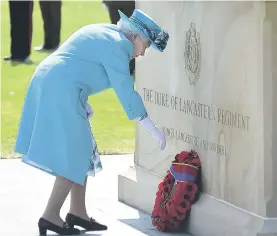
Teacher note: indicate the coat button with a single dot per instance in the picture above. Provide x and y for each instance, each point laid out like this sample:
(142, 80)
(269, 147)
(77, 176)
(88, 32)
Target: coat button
(129, 108)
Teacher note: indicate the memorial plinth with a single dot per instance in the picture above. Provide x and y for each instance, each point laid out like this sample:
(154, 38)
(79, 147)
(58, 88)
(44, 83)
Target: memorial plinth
(214, 90)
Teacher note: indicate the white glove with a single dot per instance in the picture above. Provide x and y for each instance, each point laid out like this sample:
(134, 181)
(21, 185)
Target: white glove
(154, 131)
(88, 110)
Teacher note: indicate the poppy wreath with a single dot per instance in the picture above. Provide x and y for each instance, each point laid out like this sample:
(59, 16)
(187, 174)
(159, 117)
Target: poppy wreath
(177, 192)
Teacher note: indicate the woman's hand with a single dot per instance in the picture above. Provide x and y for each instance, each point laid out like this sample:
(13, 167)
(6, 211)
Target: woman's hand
(88, 110)
(154, 131)
(160, 137)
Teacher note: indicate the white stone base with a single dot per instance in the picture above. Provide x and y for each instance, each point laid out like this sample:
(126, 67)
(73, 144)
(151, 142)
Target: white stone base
(209, 217)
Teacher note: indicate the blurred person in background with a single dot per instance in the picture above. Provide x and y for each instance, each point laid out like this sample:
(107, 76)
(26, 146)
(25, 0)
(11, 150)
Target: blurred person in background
(51, 15)
(127, 7)
(21, 28)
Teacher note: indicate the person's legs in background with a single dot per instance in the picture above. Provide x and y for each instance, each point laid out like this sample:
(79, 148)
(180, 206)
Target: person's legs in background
(127, 7)
(51, 15)
(56, 11)
(21, 13)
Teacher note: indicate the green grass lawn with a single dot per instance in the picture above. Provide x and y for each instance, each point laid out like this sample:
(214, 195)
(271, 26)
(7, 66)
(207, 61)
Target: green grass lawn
(112, 129)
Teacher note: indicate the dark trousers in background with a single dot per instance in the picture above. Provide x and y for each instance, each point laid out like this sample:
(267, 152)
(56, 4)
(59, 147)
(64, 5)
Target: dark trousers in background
(127, 7)
(51, 15)
(21, 13)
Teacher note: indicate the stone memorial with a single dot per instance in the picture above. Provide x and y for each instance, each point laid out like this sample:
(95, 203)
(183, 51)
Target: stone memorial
(213, 90)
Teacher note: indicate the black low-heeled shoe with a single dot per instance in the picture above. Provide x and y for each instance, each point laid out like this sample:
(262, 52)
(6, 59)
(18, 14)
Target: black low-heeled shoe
(90, 225)
(45, 225)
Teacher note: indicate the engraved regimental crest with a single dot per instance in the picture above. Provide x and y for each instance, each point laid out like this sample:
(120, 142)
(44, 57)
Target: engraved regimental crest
(192, 55)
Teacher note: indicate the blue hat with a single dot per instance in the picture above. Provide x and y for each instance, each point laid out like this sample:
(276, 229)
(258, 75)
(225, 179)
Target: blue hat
(148, 27)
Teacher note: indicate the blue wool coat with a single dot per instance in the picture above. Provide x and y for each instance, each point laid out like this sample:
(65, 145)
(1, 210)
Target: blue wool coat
(54, 133)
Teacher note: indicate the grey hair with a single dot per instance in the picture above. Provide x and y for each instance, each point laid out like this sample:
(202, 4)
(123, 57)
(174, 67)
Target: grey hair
(128, 29)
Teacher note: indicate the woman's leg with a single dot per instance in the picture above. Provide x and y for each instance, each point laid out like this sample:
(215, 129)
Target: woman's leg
(59, 193)
(78, 214)
(78, 201)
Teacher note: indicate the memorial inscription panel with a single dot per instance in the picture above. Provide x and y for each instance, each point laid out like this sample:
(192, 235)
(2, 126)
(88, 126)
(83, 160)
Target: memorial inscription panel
(197, 109)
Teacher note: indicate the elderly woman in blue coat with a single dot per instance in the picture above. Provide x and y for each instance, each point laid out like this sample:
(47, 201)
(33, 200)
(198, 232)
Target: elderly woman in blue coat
(54, 133)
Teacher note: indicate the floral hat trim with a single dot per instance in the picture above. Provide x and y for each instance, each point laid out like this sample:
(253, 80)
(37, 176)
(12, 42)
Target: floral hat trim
(158, 36)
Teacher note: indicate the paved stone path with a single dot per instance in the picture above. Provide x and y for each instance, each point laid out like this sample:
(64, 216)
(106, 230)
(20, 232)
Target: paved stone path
(24, 192)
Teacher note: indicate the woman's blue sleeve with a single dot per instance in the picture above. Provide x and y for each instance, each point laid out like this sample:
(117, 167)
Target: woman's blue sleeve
(116, 65)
